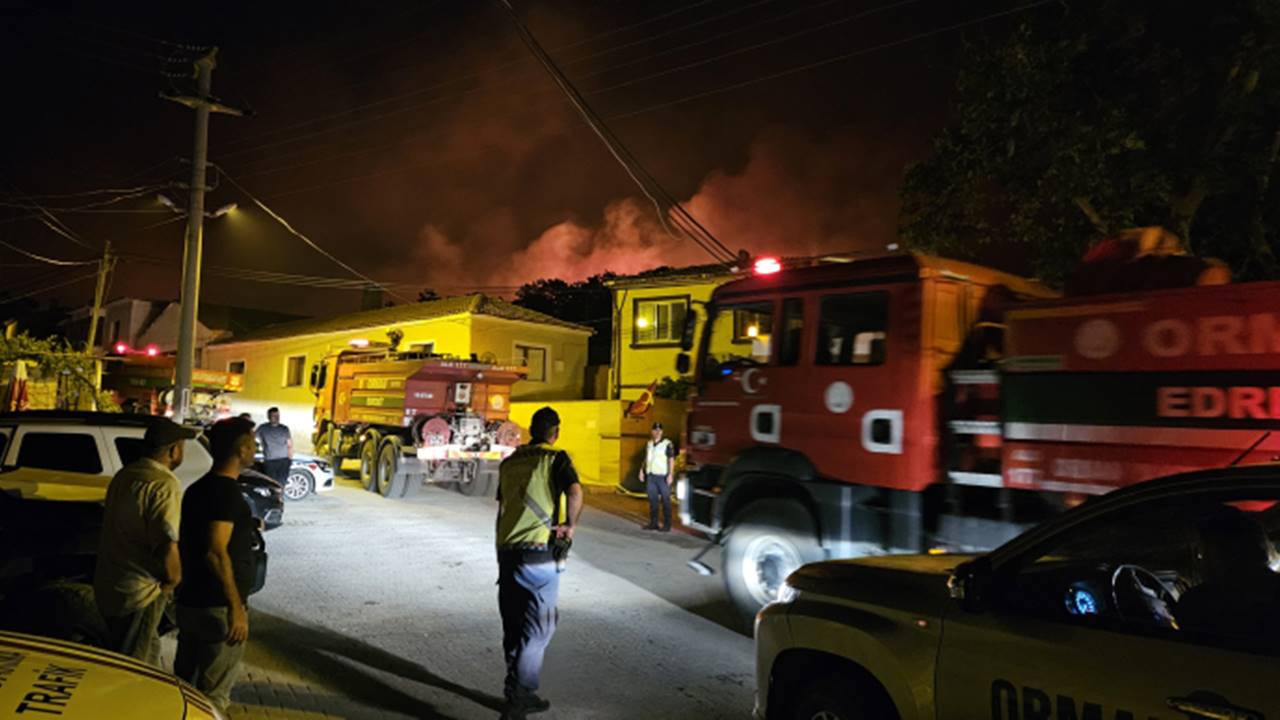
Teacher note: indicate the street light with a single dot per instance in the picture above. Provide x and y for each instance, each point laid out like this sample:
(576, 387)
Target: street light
(169, 203)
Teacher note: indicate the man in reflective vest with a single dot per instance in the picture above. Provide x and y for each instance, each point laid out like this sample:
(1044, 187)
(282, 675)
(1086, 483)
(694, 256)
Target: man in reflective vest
(531, 482)
(657, 473)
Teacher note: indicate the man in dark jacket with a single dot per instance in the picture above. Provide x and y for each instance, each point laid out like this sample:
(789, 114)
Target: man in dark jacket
(218, 532)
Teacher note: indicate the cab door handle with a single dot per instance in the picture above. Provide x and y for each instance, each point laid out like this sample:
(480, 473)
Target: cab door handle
(1210, 711)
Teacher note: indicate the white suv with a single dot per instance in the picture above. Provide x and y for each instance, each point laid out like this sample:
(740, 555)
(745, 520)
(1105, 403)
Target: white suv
(71, 456)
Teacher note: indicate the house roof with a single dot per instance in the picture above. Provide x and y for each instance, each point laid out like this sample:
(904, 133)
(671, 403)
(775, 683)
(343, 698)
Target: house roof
(658, 277)
(475, 304)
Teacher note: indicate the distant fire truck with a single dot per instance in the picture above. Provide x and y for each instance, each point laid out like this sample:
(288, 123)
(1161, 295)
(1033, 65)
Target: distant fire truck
(413, 417)
(907, 403)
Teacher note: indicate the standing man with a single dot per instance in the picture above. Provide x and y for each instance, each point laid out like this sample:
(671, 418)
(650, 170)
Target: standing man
(138, 562)
(217, 540)
(277, 447)
(657, 473)
(530, 484)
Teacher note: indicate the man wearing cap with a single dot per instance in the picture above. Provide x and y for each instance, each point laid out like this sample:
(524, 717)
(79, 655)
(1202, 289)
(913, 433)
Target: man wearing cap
(657, 473)
(531, 482)
(138, 560)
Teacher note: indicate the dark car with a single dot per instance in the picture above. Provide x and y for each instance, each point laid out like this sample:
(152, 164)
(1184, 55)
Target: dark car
(265, 498)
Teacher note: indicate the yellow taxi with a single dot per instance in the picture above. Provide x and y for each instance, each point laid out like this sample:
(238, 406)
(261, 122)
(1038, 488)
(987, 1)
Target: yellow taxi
(45, 678)
(1157, 601)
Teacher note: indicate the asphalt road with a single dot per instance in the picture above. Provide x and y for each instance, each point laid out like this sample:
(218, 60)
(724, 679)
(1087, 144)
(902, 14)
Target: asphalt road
(387, 608)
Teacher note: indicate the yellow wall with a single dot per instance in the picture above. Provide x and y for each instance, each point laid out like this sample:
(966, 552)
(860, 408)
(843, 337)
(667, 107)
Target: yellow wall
(635, 367)
(605, 446)
(566, 354)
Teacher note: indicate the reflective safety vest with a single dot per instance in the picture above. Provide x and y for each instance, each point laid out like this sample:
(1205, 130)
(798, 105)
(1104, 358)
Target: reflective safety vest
(656, 461)
(528, 498)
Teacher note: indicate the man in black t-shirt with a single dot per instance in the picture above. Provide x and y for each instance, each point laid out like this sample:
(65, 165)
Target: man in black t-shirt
(216, 546)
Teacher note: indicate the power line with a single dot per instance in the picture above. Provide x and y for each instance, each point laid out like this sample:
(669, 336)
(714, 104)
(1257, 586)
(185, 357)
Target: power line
(469, 76)
(56, 286)
(834, 59)
(285, 223)
(661, 105)
(756, 46)
(45, 259)
(538, 91)
(662, 201)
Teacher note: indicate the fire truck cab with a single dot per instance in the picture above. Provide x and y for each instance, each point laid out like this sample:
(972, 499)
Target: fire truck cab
(815, 428)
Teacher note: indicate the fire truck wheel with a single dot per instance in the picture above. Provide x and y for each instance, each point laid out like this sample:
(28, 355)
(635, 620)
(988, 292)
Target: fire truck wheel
(769, 539)
(369, 462)
(390, 481)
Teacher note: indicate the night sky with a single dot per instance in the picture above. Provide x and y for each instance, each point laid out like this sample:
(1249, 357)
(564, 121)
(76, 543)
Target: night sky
(422, 144)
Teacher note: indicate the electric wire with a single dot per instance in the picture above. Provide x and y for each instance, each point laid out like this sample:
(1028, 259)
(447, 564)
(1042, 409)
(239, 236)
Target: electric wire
(676, 101)
(285, 223)
(45, 258)
(469, 76)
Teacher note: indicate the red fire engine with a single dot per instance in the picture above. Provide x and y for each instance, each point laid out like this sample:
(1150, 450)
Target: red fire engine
(905, 403)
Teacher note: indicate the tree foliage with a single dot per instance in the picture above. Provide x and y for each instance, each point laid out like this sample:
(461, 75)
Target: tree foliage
(54, 359)
(1091, 117)
(587, 302)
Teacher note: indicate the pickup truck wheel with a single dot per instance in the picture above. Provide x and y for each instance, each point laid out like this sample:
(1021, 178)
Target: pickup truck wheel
(835, 697)
(369, 462)
(390, 481)
(767, 541)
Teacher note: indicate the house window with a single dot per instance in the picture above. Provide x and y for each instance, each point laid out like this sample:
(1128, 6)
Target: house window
(294, 367)
(535, 359)
(851, 329)
(659, 321)
(236, 366)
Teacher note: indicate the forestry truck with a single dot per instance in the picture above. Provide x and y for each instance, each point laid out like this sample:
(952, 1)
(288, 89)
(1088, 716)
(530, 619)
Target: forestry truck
(907, 403)
(413, 417)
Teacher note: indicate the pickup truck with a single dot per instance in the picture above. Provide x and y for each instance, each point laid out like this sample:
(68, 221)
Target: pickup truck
(1160, 600)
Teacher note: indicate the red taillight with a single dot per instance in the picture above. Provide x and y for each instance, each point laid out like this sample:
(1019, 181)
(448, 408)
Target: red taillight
(152, 351)
(121, 348)
(767, 266)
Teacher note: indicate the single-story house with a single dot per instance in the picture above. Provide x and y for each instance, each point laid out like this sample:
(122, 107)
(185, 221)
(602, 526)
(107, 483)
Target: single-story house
(276, 361)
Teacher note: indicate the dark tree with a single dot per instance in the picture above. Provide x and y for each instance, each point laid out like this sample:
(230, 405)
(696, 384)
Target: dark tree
(588, 302)
(1091, 117)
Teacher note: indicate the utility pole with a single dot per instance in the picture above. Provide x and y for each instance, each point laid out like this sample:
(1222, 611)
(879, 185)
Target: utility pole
(202, 103)
(104, 268)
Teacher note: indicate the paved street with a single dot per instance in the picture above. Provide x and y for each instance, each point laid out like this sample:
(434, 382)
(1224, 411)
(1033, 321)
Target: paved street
(387, 609)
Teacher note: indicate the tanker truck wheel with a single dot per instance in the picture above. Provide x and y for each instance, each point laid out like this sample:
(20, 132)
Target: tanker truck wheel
(768, 541)
(390, 481)
(369, 461)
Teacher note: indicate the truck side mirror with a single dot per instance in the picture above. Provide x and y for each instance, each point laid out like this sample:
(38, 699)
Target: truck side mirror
(687, 333)
(682, 363)
(969, 585)
(314, 382)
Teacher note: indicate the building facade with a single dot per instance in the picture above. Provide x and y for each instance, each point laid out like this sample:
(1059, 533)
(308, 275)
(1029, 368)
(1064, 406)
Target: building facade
(276, 361)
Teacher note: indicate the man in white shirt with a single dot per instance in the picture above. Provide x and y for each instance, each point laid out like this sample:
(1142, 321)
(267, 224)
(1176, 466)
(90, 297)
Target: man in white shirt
(657, 473)
(138, 562)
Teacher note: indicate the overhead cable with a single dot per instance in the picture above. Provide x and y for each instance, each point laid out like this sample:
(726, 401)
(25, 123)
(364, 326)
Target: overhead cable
(285, 224)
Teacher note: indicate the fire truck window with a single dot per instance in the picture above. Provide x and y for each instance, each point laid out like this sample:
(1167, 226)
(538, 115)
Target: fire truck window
(659, 321)
(792, 331)
(294, 367)
(70, 452)
(740, 334)
(851, 329)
